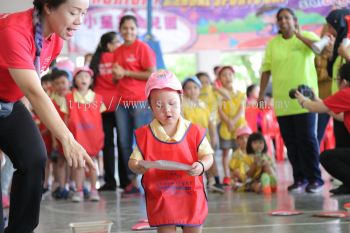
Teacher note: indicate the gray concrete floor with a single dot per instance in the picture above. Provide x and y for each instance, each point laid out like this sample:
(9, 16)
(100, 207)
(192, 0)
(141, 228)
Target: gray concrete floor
(231, 212)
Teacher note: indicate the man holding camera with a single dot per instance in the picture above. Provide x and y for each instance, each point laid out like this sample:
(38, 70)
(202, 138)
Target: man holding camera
(336, 161)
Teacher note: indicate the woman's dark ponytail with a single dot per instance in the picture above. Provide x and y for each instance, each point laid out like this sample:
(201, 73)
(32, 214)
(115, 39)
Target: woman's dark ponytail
(102, 47)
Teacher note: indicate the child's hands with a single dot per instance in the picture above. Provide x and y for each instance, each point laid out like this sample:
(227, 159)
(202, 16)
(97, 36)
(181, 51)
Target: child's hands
(141, 169)
(196, 170)
(257, 160)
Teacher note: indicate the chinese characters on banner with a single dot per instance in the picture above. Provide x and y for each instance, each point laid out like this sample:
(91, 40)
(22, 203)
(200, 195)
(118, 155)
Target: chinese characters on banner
(193, 25)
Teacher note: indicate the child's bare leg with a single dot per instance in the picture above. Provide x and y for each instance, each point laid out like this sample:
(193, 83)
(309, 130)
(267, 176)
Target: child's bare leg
(61, 171)
(78, 174)
(55, 182)
(267, 169)
(256, 186)
(47, 173)
(192, 229)
(225, 162)
(166, 229)
(93, 178)
(213, 171)
(252, 170)
(236, 175)
(100, 165)
(213, 174)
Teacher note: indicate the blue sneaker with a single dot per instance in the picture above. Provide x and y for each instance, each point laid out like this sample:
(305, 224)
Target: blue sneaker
(60, 193)
(86, 192)
(297, 186)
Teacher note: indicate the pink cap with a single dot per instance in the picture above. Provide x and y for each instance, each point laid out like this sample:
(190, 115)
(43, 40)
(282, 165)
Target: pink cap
(162, 79)
(85, 68)
(225, 67)
(66, 64)
(244, 130)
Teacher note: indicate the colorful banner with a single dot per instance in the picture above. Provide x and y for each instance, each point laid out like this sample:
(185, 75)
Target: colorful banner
(196, 25)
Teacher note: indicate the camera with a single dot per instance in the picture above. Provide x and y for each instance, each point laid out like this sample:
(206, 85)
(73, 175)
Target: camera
(303, 89)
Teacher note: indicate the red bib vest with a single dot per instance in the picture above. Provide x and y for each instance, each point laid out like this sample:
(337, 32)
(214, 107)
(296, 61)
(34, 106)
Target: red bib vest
(85, 123)
(173, 197)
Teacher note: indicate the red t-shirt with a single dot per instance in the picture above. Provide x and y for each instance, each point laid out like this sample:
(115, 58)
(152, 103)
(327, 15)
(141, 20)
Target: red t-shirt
(340, 102)
(17, 50)
(135, 57)
(104, 84)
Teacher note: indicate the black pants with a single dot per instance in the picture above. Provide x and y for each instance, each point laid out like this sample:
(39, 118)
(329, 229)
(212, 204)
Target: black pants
(20, 139)
(322, 122)
(299, 135)
(108, 120)
(337, 163)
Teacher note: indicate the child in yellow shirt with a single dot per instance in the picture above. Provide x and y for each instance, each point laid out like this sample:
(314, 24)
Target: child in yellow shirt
(232, 117)
(196, 111)
(262, 171)
(209, 95)
(240, 162)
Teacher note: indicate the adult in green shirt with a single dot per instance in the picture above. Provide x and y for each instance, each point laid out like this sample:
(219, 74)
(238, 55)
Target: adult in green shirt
(290, 61)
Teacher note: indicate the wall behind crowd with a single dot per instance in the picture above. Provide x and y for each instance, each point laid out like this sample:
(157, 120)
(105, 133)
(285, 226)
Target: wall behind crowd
(14, 5)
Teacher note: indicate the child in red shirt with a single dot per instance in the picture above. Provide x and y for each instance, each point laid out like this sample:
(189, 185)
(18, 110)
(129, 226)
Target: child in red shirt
(60, 88)
(170, 137)
(84, 109)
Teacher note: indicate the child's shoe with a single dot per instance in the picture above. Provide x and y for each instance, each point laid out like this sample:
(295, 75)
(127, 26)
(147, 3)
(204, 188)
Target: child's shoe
(78, 197)
(266, 189)
(226, 181)
(94, 195)
(216, 188)
(273, 189)
(60, 193)
(130, 191)
(45, 190)
(86, 192)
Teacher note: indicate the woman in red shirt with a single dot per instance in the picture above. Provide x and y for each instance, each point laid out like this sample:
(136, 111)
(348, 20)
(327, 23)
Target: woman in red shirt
(104, 85)
(30, 41)
(134, 61)
(336, 161)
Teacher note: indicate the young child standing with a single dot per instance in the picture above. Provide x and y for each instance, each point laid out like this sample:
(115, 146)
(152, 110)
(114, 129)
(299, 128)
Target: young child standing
(171, 137)
(196, 111)
(207, 94)
(240, 162)
(84, 109)
(60, 88)
(45, 133)
(232, 117)
(262, 171)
